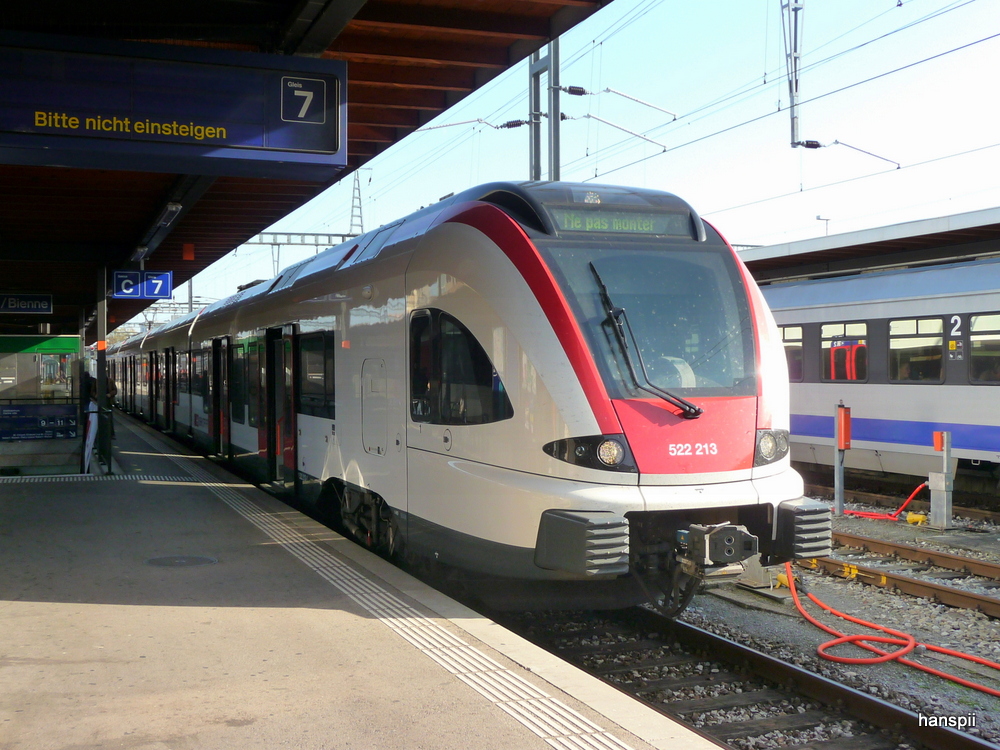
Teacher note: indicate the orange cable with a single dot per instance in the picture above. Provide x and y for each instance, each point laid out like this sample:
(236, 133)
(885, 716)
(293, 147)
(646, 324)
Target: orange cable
(906, 641)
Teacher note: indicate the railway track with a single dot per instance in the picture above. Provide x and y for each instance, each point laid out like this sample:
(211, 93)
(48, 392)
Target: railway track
(732, 694)
(894, 501)
(884, 571)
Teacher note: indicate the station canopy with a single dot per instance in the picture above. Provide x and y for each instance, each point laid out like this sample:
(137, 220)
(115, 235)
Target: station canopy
(136, 129)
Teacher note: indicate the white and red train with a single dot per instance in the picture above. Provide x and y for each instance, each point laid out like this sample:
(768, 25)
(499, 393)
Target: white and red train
(577, 389)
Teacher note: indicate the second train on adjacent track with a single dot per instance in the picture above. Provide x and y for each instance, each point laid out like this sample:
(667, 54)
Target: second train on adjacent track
(575, 389)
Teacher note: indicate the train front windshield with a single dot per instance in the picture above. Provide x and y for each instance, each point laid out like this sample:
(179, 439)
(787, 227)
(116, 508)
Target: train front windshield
(685, 310)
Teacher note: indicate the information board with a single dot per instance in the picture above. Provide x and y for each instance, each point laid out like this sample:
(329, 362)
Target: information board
(38, 421)
(232, 112)
(142, 284)
(33, 304)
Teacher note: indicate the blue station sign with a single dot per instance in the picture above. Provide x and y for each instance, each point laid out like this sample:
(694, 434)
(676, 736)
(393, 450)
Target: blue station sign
(37, 421)
(145, 106)
(142, 284)
(32, 304)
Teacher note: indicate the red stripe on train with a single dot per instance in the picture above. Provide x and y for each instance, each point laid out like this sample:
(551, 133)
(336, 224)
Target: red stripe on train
(510, 238)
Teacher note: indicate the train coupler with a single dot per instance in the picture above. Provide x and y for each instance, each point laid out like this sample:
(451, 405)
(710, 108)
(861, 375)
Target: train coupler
(713, 546)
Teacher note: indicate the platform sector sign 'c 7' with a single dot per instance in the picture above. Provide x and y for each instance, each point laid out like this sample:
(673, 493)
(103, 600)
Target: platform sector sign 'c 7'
(128, 105)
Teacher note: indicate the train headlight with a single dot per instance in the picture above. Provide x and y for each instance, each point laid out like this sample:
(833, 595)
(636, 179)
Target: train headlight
(610, 453)
(772, 445)
(605, 452)
(767, 446)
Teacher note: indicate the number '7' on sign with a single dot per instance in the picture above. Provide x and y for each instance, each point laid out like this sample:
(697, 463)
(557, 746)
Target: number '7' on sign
(303, 100)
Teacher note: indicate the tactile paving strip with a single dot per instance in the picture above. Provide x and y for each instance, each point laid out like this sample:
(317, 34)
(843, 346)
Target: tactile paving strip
(94, 478)
(553, 721)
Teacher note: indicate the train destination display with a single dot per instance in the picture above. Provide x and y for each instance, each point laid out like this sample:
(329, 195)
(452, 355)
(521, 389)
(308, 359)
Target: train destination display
(621, 222)
(232, 113)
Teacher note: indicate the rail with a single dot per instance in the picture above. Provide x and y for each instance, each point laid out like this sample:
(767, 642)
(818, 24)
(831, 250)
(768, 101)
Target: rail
(659, 662)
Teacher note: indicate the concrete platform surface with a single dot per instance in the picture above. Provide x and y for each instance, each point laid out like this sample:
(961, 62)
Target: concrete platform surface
(172, 606)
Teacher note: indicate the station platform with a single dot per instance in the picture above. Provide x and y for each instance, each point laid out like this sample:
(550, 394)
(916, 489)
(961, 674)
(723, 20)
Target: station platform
(171, 605)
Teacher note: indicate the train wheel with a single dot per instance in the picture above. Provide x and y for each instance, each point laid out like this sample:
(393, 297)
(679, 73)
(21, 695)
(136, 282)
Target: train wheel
(670, 594)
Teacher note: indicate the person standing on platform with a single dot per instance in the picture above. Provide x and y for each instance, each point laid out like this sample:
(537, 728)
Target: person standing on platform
(112, 392)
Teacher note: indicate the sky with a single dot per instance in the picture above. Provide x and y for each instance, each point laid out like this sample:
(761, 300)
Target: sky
(903, 95)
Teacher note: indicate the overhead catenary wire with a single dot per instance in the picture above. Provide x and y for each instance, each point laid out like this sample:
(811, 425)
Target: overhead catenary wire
(818, 97)
(627, 19)
(594, 47)
(752, 88)
(852, 179)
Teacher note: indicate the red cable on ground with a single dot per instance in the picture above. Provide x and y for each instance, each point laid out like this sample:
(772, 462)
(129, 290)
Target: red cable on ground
(908, 642)
(885, 516)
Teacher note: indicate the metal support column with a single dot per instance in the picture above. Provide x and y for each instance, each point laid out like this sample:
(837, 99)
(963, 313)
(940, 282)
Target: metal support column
(793, 59)
(536, 67)
(103, 407)
(555, 114)
(539, 65)
(941, 485)
(842, 443)
(82, 397)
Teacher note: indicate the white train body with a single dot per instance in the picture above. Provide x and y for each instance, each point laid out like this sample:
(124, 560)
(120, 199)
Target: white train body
(930, 340)
(449, 384)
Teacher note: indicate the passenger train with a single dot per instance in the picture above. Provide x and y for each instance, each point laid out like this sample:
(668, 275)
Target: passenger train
(575, 389)
(911, 352)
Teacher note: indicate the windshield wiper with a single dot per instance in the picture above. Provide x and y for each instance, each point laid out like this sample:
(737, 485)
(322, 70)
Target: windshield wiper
(619, 322)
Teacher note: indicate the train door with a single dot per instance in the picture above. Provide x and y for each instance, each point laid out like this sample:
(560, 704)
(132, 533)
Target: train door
(219, 427)
(155, 374)
(455, 393)
(147, 386)
(129, 385)
(280, 408)
(169, 389)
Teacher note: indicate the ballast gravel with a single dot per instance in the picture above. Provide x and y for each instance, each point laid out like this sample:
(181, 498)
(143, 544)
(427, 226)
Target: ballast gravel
(753, 621)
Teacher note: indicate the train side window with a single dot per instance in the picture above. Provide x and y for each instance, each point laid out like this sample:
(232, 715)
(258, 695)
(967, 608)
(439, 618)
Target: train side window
(253, 384)
(845, 351)
(984, 339)
(791, 337)
(183, 385)
(916, 350)
(206, 380)
(423, 391)
(452, 379)
(238, 384)
(316, 375)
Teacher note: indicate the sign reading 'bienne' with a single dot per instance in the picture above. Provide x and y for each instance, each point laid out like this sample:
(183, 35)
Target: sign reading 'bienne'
(33, 304)
(143, 106)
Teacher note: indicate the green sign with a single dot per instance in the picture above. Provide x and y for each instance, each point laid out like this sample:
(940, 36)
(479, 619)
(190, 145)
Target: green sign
(40, 344)
(621, 222)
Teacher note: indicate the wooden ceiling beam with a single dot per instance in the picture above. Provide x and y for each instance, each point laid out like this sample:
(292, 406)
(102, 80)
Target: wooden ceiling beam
(375, 49)
(412, 76)
(397, 98)
(370, 133)
(373, 115)
(422, 19)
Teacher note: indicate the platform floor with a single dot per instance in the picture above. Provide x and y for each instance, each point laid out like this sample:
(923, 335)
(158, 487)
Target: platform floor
(172, 606)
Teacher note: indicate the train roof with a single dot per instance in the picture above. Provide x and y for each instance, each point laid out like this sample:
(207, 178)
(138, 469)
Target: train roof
(947, 280)
(529, 203)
